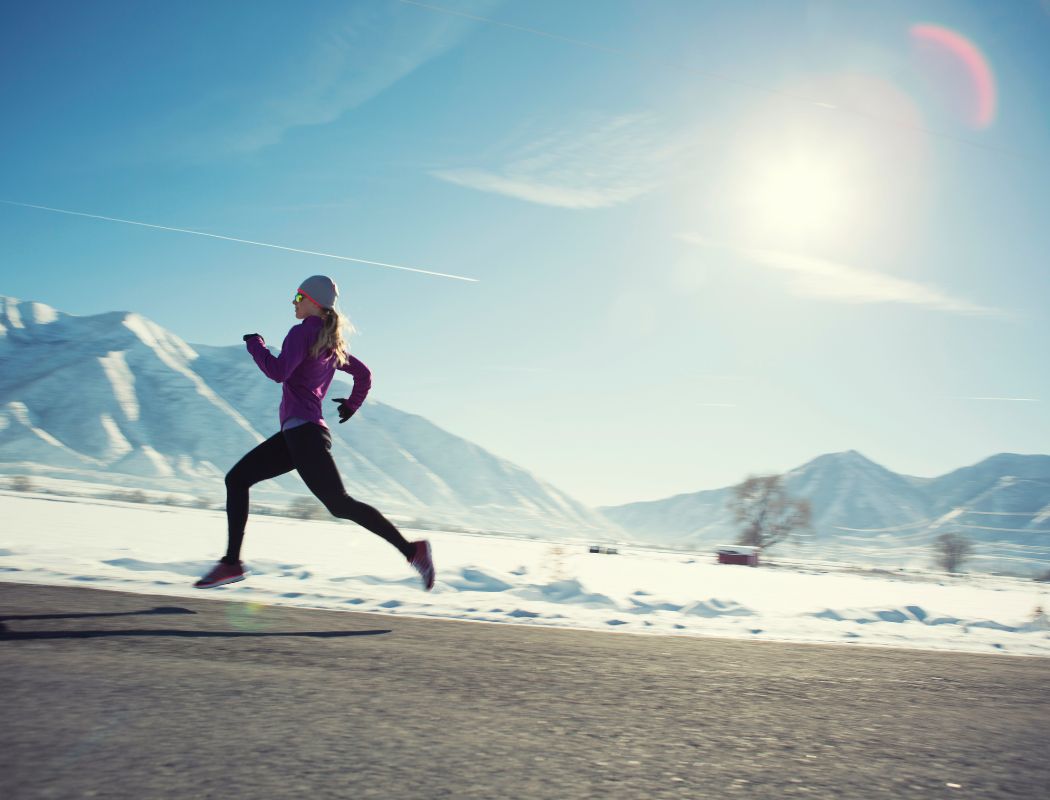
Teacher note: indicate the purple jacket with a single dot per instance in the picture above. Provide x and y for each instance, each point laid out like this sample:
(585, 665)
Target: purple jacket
(306, 379)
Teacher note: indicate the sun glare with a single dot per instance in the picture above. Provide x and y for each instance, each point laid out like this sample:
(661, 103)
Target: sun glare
(823, 181)
(798, 194)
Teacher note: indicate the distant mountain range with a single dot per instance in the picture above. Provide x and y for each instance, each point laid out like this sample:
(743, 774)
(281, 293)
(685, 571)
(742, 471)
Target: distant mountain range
(116, 399)
(865, 512)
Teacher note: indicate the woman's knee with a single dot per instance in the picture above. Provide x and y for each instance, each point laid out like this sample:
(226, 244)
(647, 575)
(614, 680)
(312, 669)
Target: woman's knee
(337, 506)
(345, 507)
(236, 480)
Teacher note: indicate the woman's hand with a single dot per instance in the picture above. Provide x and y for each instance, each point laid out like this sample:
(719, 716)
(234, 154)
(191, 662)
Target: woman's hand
(345, 412)
(248, 336)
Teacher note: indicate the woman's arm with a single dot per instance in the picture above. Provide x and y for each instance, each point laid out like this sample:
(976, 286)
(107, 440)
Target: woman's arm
(362, 381)
(293, 351)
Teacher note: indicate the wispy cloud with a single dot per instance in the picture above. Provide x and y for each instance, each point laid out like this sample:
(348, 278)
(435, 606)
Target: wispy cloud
(596, 164)
(524, 188)
(354, 59)
(1005, 399)
(837, 282)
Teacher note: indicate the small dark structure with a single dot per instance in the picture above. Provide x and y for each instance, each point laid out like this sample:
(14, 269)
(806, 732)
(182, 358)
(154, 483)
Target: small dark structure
(738, 554)
(600, 548)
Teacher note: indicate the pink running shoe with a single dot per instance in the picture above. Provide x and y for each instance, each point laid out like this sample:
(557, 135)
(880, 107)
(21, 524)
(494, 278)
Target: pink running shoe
(423, 563)
(222, 573)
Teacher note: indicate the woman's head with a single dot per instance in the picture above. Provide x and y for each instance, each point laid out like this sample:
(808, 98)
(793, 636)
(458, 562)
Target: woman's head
(316, 298)
(316, 294)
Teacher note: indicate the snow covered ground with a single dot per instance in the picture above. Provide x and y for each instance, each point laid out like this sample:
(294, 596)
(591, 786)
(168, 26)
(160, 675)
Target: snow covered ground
(336, 565)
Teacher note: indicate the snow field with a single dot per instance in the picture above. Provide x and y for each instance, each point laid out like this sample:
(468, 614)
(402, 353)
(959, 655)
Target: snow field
(337, 565)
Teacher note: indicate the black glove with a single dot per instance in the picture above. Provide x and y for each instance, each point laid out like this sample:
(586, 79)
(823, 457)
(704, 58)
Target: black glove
(248, 336)
(345, 412)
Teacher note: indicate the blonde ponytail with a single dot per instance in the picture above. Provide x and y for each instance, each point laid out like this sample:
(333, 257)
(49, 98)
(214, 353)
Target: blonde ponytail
(333, 337)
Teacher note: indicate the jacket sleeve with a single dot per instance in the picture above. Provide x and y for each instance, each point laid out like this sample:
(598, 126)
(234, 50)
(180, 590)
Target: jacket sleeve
(362, 381)
(293, 351)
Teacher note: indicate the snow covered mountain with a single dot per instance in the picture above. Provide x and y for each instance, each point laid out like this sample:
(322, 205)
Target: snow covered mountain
(865, 512)
(115, 398)
(845, 489)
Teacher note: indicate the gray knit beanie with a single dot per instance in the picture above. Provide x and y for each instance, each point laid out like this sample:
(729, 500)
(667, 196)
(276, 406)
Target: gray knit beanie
(322, 289)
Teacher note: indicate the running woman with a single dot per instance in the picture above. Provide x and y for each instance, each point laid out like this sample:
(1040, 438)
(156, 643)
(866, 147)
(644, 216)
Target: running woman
(312, 351)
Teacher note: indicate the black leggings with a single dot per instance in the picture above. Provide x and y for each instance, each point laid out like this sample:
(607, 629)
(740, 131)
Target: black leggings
(308, 450)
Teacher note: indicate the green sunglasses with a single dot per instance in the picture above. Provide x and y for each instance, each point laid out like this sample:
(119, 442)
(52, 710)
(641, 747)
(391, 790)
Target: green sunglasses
(301, 294)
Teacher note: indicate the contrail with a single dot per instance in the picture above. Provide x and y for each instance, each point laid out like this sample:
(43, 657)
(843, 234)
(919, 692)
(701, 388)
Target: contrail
(242, 241)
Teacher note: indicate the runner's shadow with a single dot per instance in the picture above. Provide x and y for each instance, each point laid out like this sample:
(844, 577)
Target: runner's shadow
(155, 610)
(9, 635)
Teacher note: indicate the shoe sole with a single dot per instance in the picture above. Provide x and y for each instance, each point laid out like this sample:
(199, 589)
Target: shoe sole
(219, 583)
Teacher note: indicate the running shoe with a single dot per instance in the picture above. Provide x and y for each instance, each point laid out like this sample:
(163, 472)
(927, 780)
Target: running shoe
(221, 574)
(423, 563)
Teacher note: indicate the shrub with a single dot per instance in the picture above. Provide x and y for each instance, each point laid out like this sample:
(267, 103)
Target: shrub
(307, 508)
(22, 483)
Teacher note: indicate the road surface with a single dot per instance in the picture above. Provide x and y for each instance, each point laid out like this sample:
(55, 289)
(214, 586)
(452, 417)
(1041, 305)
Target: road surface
(121, 695)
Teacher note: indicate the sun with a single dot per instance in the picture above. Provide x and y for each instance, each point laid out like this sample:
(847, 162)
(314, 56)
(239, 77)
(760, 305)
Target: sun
(843, 173)
(798, 192)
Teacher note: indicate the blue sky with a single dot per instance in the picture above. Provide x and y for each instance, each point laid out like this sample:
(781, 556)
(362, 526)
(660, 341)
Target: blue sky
(710, 238)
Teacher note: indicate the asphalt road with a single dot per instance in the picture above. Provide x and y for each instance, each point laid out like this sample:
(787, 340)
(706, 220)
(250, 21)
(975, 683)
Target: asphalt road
(120, 695)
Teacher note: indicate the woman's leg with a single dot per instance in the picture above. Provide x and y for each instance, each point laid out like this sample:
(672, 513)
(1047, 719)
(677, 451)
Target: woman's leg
(311, 450)
(268, 460)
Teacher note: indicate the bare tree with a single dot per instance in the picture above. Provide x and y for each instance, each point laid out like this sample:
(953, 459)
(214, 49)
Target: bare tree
(766, 513)
(953, 550)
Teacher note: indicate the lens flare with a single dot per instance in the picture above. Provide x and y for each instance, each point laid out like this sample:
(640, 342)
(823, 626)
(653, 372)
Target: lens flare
(957, 71)
(247, 616)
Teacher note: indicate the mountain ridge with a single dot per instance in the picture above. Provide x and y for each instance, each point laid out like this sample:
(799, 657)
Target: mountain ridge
(152, 411)
(860, 506)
